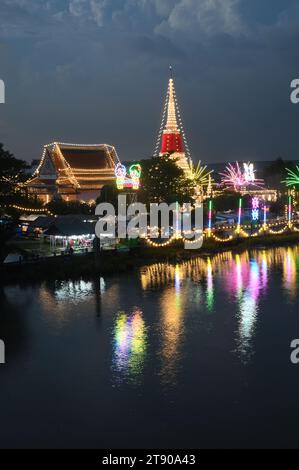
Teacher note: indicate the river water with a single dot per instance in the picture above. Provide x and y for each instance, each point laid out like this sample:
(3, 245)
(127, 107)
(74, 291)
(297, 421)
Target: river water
(190, 355)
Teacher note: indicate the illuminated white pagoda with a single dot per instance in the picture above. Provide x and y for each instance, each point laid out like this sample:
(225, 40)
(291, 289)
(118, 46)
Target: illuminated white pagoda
(171, 139)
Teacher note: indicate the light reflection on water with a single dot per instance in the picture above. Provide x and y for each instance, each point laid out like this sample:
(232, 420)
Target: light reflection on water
(171, 329)
(181, 294)
(210, 286)
(243, 280)
(247, 301)
(186, 355)
(290, 273)
(60, 299)
(129, 346)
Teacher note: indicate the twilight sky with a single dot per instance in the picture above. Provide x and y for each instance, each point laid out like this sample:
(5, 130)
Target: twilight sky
(95, 71)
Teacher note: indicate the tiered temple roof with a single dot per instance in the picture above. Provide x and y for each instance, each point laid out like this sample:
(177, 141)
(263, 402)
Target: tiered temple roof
(72, 169)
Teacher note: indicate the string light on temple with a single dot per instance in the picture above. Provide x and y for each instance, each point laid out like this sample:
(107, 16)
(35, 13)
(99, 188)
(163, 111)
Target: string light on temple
(171, 137)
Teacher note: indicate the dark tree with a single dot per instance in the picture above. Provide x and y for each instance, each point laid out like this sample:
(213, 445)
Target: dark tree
(109, 193)
(275, 173)
(163, 181)
(229, 200)
(12, 174)
(61, 207)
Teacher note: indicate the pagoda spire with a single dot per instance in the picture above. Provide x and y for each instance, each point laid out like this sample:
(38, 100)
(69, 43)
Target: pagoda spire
(171, 138)
(171, 122)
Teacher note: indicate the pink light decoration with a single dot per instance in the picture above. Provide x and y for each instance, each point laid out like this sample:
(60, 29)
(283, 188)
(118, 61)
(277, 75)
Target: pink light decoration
(255, 208)
(234, 177)
(290, 210)
(255, 202)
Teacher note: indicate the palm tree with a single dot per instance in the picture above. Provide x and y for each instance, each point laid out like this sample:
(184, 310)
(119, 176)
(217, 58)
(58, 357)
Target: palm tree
(292, 177)
(202, 177)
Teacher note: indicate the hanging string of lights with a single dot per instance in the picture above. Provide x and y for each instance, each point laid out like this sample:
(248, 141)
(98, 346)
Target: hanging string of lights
(156, 151)
(182, 127)
(29, 209)
(171, 113)
(221, 240)
(238, 231)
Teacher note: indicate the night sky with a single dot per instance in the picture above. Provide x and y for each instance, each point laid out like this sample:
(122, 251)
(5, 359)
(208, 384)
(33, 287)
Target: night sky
(95, 71)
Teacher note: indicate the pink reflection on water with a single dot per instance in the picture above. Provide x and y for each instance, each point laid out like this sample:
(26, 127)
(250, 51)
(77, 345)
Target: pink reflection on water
(130, 345)
(290, 274)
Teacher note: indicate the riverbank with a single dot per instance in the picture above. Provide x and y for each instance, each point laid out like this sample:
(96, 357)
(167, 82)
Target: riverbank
(111, 262)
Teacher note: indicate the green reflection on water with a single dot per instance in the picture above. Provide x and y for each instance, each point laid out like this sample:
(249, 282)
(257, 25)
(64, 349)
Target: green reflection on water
(129, 345)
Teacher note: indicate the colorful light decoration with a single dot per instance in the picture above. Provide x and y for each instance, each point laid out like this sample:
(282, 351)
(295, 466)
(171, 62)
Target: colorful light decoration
(130, 179)
(255, 208)
(265, 216)
(120, 173)
(234, 177)
(239, 214)
(201, 175)
(210, 217)
(290, 211)
(240, 230)
(292, 177)
(249, 175)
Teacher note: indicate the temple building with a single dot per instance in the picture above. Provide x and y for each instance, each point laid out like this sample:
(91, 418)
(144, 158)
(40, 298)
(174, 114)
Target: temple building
(171, 137)
(73, 172)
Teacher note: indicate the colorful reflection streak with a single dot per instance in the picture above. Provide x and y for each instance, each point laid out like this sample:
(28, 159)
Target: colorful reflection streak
(247, 311)
(243, 278)
(129, 346)
(172, 329)
(233, 267)
(246, 279)
(210, 286)
(290, 273)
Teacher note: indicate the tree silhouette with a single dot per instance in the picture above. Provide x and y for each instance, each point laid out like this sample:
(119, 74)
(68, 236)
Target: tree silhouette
(12, 173)
(162, 180)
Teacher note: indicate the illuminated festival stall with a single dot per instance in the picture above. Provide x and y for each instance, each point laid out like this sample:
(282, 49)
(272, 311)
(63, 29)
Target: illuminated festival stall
(71, 233)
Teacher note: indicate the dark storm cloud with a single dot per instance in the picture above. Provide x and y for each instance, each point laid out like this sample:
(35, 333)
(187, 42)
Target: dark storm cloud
(96, 71)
